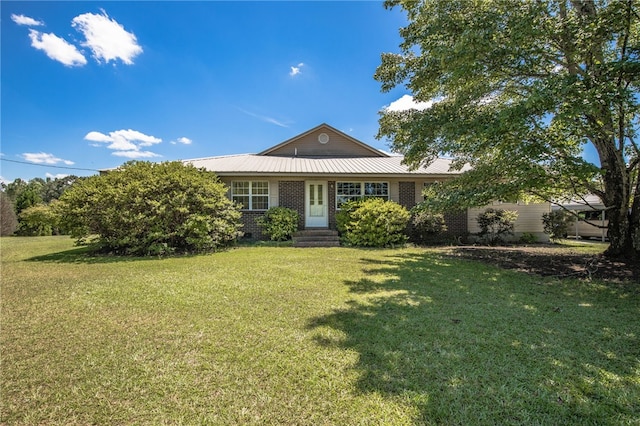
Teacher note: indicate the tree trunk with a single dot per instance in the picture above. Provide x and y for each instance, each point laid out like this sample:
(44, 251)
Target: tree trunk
(623, 235)
(624, 220)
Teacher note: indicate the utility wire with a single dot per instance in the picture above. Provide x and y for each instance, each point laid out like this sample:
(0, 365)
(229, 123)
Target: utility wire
(48, 165)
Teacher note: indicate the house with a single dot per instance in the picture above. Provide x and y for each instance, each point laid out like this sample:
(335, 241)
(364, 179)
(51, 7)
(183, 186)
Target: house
(317, 171)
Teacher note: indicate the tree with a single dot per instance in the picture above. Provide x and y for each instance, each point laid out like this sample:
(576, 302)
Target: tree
(147, 208)
(38, 220)
(29, 197)
(8, 220)
(516, 90)
(52, 189)
(13, 189)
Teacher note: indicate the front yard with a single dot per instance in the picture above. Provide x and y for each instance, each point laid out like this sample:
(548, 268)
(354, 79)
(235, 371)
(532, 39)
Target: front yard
(278, 335)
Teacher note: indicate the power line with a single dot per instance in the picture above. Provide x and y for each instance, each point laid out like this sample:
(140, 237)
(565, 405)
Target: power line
(48, 165)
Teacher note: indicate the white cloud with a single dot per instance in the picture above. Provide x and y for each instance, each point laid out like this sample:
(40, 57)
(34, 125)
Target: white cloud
(97, 137)
(136, 154)
(407, 102)
(3, 180)
(25, 20)
(296, 70)
(57, 48)
(125, 143)
(265, 118)
(44, 158)
(182, 140)
(107, 39)
(56, 176)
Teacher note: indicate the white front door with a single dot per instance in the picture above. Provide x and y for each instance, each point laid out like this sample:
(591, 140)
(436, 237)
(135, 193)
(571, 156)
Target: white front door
(316, 206)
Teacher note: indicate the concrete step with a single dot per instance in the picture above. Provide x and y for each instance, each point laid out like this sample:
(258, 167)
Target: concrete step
(316, 232)
(316, 238)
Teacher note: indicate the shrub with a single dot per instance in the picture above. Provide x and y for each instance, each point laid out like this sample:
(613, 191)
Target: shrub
(279, 223)
(495, 224)
(145, 208)
(427, 226)
(373, 222)
(557, 223)
(38, 220)
(528, 238)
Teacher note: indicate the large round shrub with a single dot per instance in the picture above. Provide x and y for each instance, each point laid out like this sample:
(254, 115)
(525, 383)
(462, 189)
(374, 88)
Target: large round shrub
(279, 223)
(145, 208)
(373, 222)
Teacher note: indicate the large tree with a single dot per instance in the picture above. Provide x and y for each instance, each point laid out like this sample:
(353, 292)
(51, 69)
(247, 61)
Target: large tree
(517, 90)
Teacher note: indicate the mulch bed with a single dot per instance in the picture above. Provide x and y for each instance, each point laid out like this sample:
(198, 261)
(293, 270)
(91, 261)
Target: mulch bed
(547, 260)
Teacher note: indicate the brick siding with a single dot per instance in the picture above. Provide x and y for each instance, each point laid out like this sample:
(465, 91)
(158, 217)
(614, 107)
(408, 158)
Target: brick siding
(251, 228)
(456, 223)
(332, 205)
(407, 194)
(292, 197)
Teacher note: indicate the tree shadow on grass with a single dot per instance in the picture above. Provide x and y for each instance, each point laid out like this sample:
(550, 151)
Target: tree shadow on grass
(465, 343)
(87, 255)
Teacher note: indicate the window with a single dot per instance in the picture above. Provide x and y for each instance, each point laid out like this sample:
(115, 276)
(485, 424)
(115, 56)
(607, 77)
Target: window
(350, 191)
(252, 195)
(592, 215)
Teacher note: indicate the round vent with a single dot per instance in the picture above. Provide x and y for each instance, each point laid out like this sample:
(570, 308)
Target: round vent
(323, 138)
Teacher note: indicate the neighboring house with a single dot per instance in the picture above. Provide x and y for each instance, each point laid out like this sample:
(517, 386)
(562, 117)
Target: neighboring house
(318, 170)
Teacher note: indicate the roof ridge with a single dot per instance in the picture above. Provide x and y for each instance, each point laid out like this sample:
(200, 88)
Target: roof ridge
(218, 156)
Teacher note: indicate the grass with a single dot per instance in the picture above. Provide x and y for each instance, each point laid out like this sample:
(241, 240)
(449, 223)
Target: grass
(278, 335)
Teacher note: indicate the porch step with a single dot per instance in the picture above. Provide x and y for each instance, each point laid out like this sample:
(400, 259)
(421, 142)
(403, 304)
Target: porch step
(316, 238)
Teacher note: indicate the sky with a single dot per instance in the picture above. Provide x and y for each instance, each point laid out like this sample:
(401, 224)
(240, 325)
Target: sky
(90, 85)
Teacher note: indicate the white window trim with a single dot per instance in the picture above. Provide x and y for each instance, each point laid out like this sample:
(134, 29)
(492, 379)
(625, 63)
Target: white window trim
(362, 189)
(251, 195)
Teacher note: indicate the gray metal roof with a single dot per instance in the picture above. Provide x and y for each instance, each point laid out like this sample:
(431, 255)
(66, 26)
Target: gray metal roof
(253, 164)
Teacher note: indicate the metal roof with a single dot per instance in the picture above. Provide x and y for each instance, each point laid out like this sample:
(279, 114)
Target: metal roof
(254, 164)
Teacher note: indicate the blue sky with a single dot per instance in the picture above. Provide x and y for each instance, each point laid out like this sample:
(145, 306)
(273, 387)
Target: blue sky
(91, 85)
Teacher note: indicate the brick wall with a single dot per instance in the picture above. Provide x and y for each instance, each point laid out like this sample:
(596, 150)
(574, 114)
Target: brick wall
(407, 194)
(456, 223)
(251, 228)
(292, 197)
(332, 205)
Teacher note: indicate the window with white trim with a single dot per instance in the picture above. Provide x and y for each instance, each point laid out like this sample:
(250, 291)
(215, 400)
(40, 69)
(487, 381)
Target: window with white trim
(351, 191)
(252, 195)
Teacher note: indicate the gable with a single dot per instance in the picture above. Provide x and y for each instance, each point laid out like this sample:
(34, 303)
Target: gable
(322, 141)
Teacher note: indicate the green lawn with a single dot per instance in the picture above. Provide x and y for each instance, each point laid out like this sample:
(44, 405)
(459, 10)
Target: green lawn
(278, 335)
